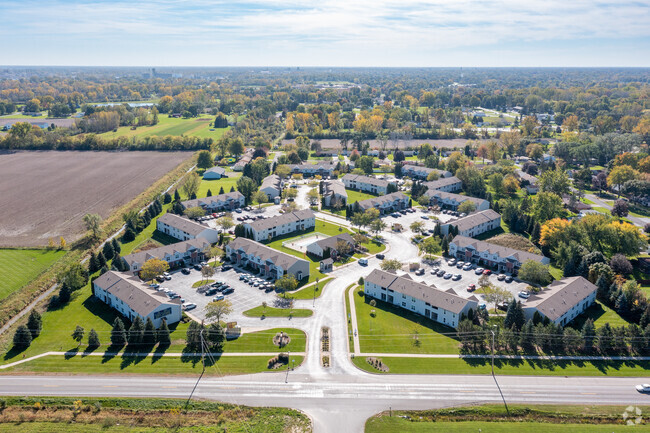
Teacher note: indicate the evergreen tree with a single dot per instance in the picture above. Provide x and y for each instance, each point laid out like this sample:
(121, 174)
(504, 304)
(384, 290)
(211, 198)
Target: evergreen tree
(193, 196)
(221, 190)
(445, 246)
(101, 260)
(509, 320)
(108, 251)
(129, 235)
(645, 318)
(116, 246)
(118, 333)
(603, 288)
(136, 332)
(162, 335)
(588, 335)
(64, 295)
(177, 208)
(193, 337)
(177, 196)
(22, 337)
(215, 338)
(209, 194)
(232, 188)
(536, 232)
(93, 264)
(167, 198)
(149, 336)
(605, 338)
(622, 305)
(537, 318)
(527, 336)
(34, 323)
(93, 339)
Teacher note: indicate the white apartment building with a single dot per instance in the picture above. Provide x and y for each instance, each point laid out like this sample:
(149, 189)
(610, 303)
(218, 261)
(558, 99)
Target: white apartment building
(290, 222)
(269, 262)
(184, 229)
(228, 201)
(368, 184)
(474, 224)
(562, 301)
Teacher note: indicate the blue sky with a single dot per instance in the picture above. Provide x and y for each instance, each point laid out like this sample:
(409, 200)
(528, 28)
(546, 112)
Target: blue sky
(326, 33)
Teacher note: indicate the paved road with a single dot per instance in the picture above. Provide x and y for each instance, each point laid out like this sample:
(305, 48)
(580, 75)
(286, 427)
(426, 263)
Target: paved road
(342, 402)
(639, 221)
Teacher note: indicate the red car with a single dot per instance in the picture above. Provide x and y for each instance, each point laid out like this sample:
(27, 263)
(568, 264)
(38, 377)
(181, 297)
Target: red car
(487, 272)
(471, 287)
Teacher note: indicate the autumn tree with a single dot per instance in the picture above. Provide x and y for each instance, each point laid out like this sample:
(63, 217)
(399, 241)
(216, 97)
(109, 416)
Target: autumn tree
(93, 225)
(191, 185)
(152, 268)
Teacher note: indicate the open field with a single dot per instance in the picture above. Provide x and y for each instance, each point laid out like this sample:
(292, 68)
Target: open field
(195, 127)
(18, 267)
(46, 194)
(61, 123)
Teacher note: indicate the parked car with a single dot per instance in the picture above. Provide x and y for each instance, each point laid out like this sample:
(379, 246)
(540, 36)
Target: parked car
(441, 273)
(363, 262)
(185, 271)
(238, 210)
(380, 256)
(434, 271)
(471, 287)
(459, 265)
(479, 271)
(424, 217)
(154, 285)
(487, 272)
(501, 277)
(419, 272)
(524, 295)
(225, 268)
(503, 306)
(242, 276)
(228, 291)
(467, 267)
(456, 277)
(218, 298)
(509, 279)
(447, 276)
(189, 306)
(198, 267)
(451, 262)
(167, 277)
(160, 278)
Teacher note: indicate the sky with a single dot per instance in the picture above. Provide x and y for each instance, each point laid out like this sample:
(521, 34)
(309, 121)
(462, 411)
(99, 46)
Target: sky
(425, 33)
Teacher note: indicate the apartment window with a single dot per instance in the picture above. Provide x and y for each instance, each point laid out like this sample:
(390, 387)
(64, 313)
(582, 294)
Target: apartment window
(404, 304)
(413, 307)
(403, 296)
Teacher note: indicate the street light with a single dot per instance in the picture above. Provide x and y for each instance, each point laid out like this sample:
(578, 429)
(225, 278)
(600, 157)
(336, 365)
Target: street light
(494, 326)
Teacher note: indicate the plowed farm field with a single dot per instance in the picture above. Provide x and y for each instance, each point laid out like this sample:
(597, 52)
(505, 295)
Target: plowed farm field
(45, 195)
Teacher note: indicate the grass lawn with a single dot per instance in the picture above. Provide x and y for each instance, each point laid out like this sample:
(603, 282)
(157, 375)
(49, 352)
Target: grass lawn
(507, 367)
(323, 227)
(196, 127)
(600, 314)
(355, 196)
(308, 292)
(556, 273)
(393, 330)
(277, 312)
(587, 201)
(387, 424)
(214, 185)
(202, 283)
(153, 365)
(18, 267)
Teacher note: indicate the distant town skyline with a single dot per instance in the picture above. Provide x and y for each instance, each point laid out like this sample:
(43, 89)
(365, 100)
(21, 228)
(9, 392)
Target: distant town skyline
(391, 33)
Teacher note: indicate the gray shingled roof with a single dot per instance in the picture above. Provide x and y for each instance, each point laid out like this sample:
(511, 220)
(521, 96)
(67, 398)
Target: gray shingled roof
(332, 240)
(457, 197)
(288, 217)
(256, 249)
(560, 296)
(521, 256)
(188, 226)
(335, 187)
(442, 182)
(324, 165)
(137, 295)
(446, 300)
(216, 169)
(366, 179)
(208, 201)
(376, 201)
(475, 219)
(272, 181)
(159, 253)
(427, 170)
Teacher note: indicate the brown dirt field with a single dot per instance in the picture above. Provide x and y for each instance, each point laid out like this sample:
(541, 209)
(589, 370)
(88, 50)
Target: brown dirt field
(46, 194)
(62, 123)
(334, 143)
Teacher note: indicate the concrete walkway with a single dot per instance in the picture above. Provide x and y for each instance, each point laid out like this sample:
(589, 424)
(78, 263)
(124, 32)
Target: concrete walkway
(353, 316)
(515, 357)
(598, 202)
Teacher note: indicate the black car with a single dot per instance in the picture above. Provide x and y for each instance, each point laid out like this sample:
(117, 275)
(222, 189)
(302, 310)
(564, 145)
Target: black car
(198, 267)
(225, 268)
(380, 256)
(228, 291)
(185, 271)
(210, 292)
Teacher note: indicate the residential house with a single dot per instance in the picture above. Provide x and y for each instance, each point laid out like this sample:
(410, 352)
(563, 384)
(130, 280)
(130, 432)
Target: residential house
(446, 184)
(243, 160)
(266, 260)
(528, 181)
(334, 190)
(386, 203)
(132, 298)
(327, 247)
(184, 229)
(326, 265)
(449, 200)
(214, 173)
(500, 258)
(222, 202)
(444, 307)
(421, 172)
(176, 255)
(290, 222)
(368, 184)
(323, 169)
(271, 186)
(474, 224)
(562, 301)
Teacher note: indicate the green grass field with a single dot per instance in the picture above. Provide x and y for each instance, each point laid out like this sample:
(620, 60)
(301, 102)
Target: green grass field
(355, 196)
(308, 292)
(196, 127)
(394, 424)
(215, 185)
(600, 314)
(277, 312)
(18, 267)
(507, 367)
(394, 330)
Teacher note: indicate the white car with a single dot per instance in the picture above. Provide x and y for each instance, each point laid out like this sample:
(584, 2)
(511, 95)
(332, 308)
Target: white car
(645, 388)
(479, 271)
(189, 306)
(501, 277)
(524, 295)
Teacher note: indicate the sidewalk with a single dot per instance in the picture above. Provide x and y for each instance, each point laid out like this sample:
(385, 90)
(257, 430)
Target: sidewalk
(353, 316)
(514, 357)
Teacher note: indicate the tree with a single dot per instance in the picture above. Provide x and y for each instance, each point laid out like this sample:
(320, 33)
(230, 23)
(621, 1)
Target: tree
(62, 243)
(313, 197)
(73, 276)
(620, 264)
(226, 223)
(588, 335)
(391, 265)
(93, 339)
(93, 224)
(417, 227)
(546, 206)
(286, 283)
(467, 207)
(194, 212)
(218, 310)
(152, 268)
(236, 147)
(215, 337)
(621, 174)
(136, 332)
(247, 187)
(191, 185)
(118, 333)
(496, 295)
(108, 250)
(78, 334)
(162, 335)
(514, 315)
(620, 209)
(535, 273)
(555, 181)
(22, 337)
(34, 323)
(430, 246)
(283, 171)
(376, 226)
(365, 163)
(204, 159)
(535, 151)
(207, 272)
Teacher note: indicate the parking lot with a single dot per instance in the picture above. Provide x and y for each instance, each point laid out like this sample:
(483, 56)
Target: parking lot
(253, 213)
(244, 298)
(409, 218)
(467, 278)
